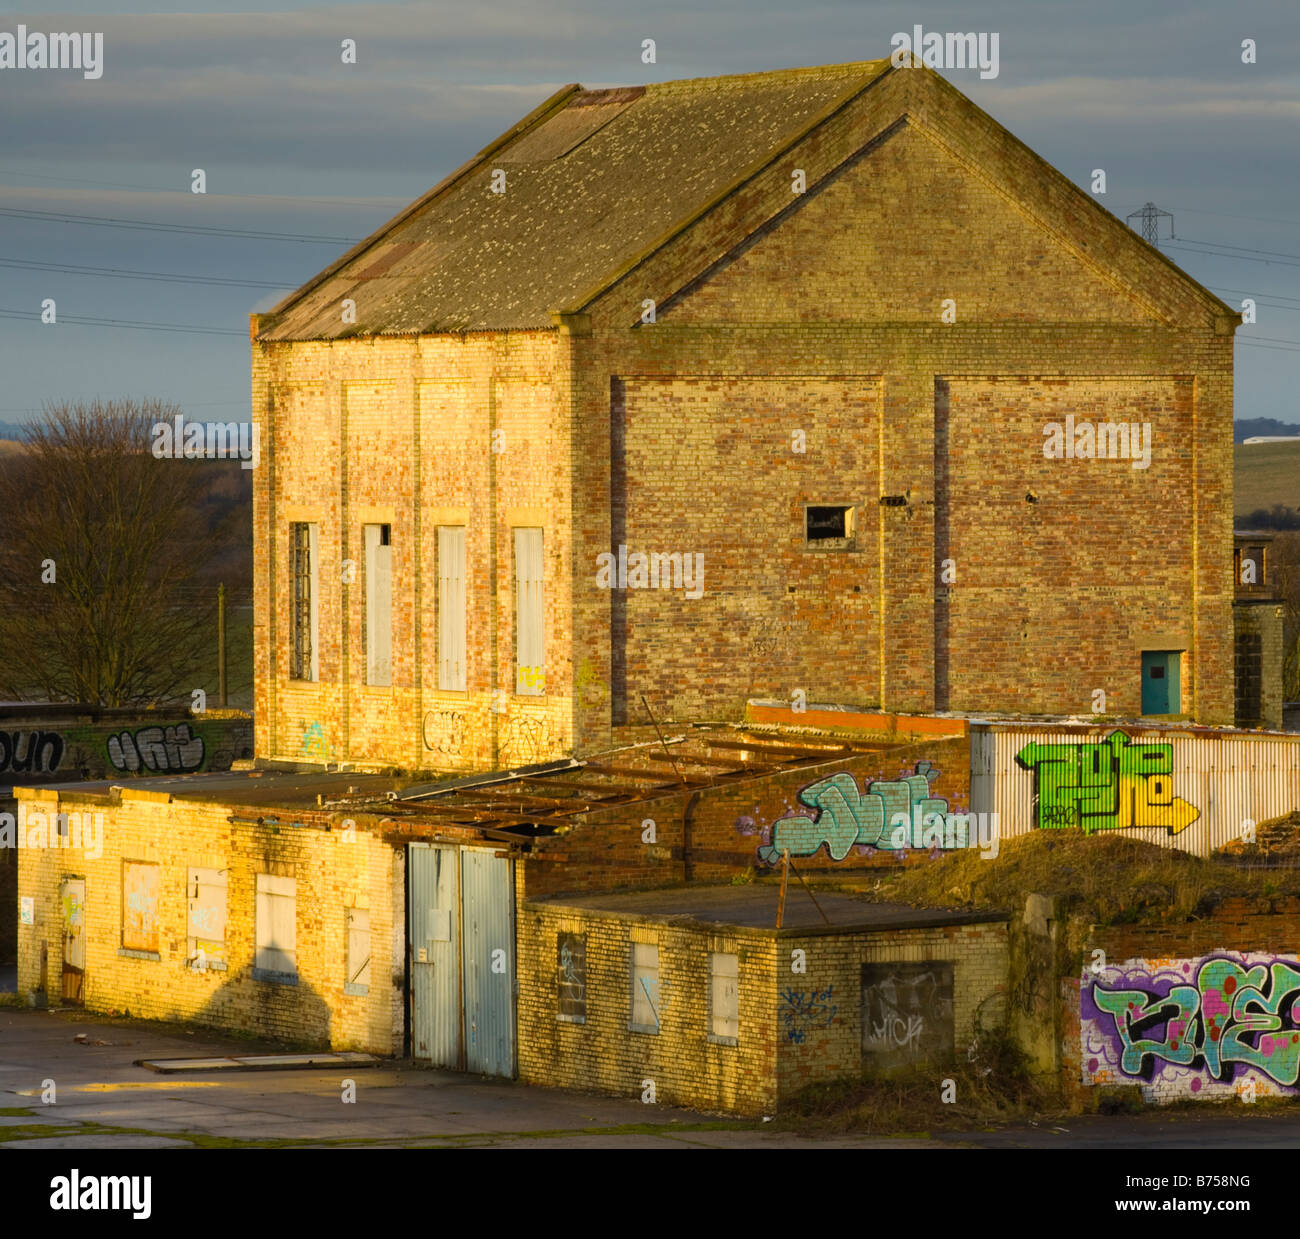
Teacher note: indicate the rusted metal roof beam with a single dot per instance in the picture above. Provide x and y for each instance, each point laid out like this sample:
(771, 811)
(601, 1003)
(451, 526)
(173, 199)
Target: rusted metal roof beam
(785, 750)
(632, 772)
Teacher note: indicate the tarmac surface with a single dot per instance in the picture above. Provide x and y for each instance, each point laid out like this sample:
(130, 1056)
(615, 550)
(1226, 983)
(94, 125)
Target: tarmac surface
(103, 1100)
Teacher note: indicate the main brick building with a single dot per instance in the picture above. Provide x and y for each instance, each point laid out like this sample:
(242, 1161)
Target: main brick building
(801, 382)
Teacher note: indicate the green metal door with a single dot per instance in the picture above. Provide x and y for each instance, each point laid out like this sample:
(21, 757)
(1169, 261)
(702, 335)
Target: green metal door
(1161, 691)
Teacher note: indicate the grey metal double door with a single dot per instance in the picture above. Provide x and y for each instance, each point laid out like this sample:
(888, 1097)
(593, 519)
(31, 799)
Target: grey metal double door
(461, 941)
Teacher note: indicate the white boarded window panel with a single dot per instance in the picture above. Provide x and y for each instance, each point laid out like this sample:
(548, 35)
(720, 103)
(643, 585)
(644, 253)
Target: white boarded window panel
(530, 614)
(206, 916)
(277, 905)
(451, 608)
(645, 985)
(726, 1001)
(358, 961)
(379, 606)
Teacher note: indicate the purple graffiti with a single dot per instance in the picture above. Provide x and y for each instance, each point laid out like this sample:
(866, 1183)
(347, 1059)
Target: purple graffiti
(1215, 1018)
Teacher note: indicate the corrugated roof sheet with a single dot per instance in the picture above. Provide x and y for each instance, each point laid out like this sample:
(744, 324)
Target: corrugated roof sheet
(589, 187)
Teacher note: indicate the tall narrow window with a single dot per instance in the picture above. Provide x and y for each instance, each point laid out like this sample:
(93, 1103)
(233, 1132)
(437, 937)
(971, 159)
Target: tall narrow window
(276, 927)
(379, 604)
(358, 951)
(205, 895)
(140, 907)
(724, 999)
(451, 608)
(645, 987)
(530, 614)
(302, 566)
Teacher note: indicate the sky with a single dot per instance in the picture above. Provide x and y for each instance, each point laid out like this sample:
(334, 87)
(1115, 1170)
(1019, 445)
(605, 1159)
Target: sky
(296, 143)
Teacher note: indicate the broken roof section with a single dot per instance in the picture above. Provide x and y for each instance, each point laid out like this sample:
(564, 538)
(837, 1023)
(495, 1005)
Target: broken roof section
(593, 180)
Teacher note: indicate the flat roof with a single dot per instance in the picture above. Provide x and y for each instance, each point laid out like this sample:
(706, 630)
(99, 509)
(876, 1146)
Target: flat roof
(269, 789)
(754, 907)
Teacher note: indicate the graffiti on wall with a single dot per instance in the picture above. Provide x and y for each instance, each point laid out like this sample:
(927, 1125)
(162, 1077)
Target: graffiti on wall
(571, 959)
(527, 738)
(1106, 785)
(42, 753)
(1194, 1026)
(802, 1011)
(102, 750)
(845, 816)
(906, 1012)
(164, 750)
(444, 732)
(315, 744)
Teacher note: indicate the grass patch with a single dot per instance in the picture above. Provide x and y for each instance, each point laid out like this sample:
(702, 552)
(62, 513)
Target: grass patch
(1103, 879)
(990, 1087)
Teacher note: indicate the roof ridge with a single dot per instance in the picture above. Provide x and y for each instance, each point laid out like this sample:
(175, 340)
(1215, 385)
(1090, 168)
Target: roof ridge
(849, 68)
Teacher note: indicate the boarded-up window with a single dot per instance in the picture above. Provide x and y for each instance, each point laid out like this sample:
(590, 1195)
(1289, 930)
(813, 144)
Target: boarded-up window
(451, 608)
(906, 1014)
(724, 1003)
(571, 961)
(139, 906)
(379, 604)
(645, 987)
(304, 661)
(358, 951)
(530, 614)
(277, 911)
(205, 897)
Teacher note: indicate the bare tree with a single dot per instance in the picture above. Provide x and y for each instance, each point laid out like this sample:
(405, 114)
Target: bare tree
(100, 560)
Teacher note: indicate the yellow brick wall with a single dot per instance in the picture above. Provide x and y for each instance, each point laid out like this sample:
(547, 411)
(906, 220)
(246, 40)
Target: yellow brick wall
(604, 1055)
(414, 433)
(333, 870)
(774, 1058)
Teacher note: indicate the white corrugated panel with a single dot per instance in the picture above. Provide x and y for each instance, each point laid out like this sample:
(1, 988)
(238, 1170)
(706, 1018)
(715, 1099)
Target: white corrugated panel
(1227, 779)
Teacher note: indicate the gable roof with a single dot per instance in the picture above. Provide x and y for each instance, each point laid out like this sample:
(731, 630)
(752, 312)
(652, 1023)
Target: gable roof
(593, 178)
(596, 180)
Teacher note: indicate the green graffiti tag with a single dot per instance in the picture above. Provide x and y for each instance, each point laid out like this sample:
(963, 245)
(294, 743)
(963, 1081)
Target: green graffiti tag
(846, 816)
(1107, 785)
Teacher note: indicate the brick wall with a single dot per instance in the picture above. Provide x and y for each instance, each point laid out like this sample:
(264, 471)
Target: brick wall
(795, 1028)
(415, 434)
(727, 825)
(797, 357)
(1182, 1062)
(333, 871)
(812, 1050)
(1258, 664)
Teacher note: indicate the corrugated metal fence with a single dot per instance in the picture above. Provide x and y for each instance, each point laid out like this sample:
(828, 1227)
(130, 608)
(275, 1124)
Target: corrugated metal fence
(1191, 789)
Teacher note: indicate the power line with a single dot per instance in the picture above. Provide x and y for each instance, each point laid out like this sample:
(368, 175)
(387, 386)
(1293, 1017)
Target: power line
(1223, 245)
(88, 321)
(155, 189)
(1242, 258)
(158, 276)
(1259, 219)
(105, 221)
(1264, 298)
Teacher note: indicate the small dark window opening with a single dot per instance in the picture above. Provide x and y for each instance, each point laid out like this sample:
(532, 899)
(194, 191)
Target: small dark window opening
(829, 522)
(385, 535)
(1157, 673)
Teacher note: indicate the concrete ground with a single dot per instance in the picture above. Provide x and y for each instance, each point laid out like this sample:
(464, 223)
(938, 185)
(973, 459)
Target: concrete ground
(102, 1100)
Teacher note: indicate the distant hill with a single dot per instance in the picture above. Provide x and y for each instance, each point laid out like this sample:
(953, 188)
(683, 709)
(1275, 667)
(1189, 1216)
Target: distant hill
(1248, 428)
(1266, 485)
(11, 430)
